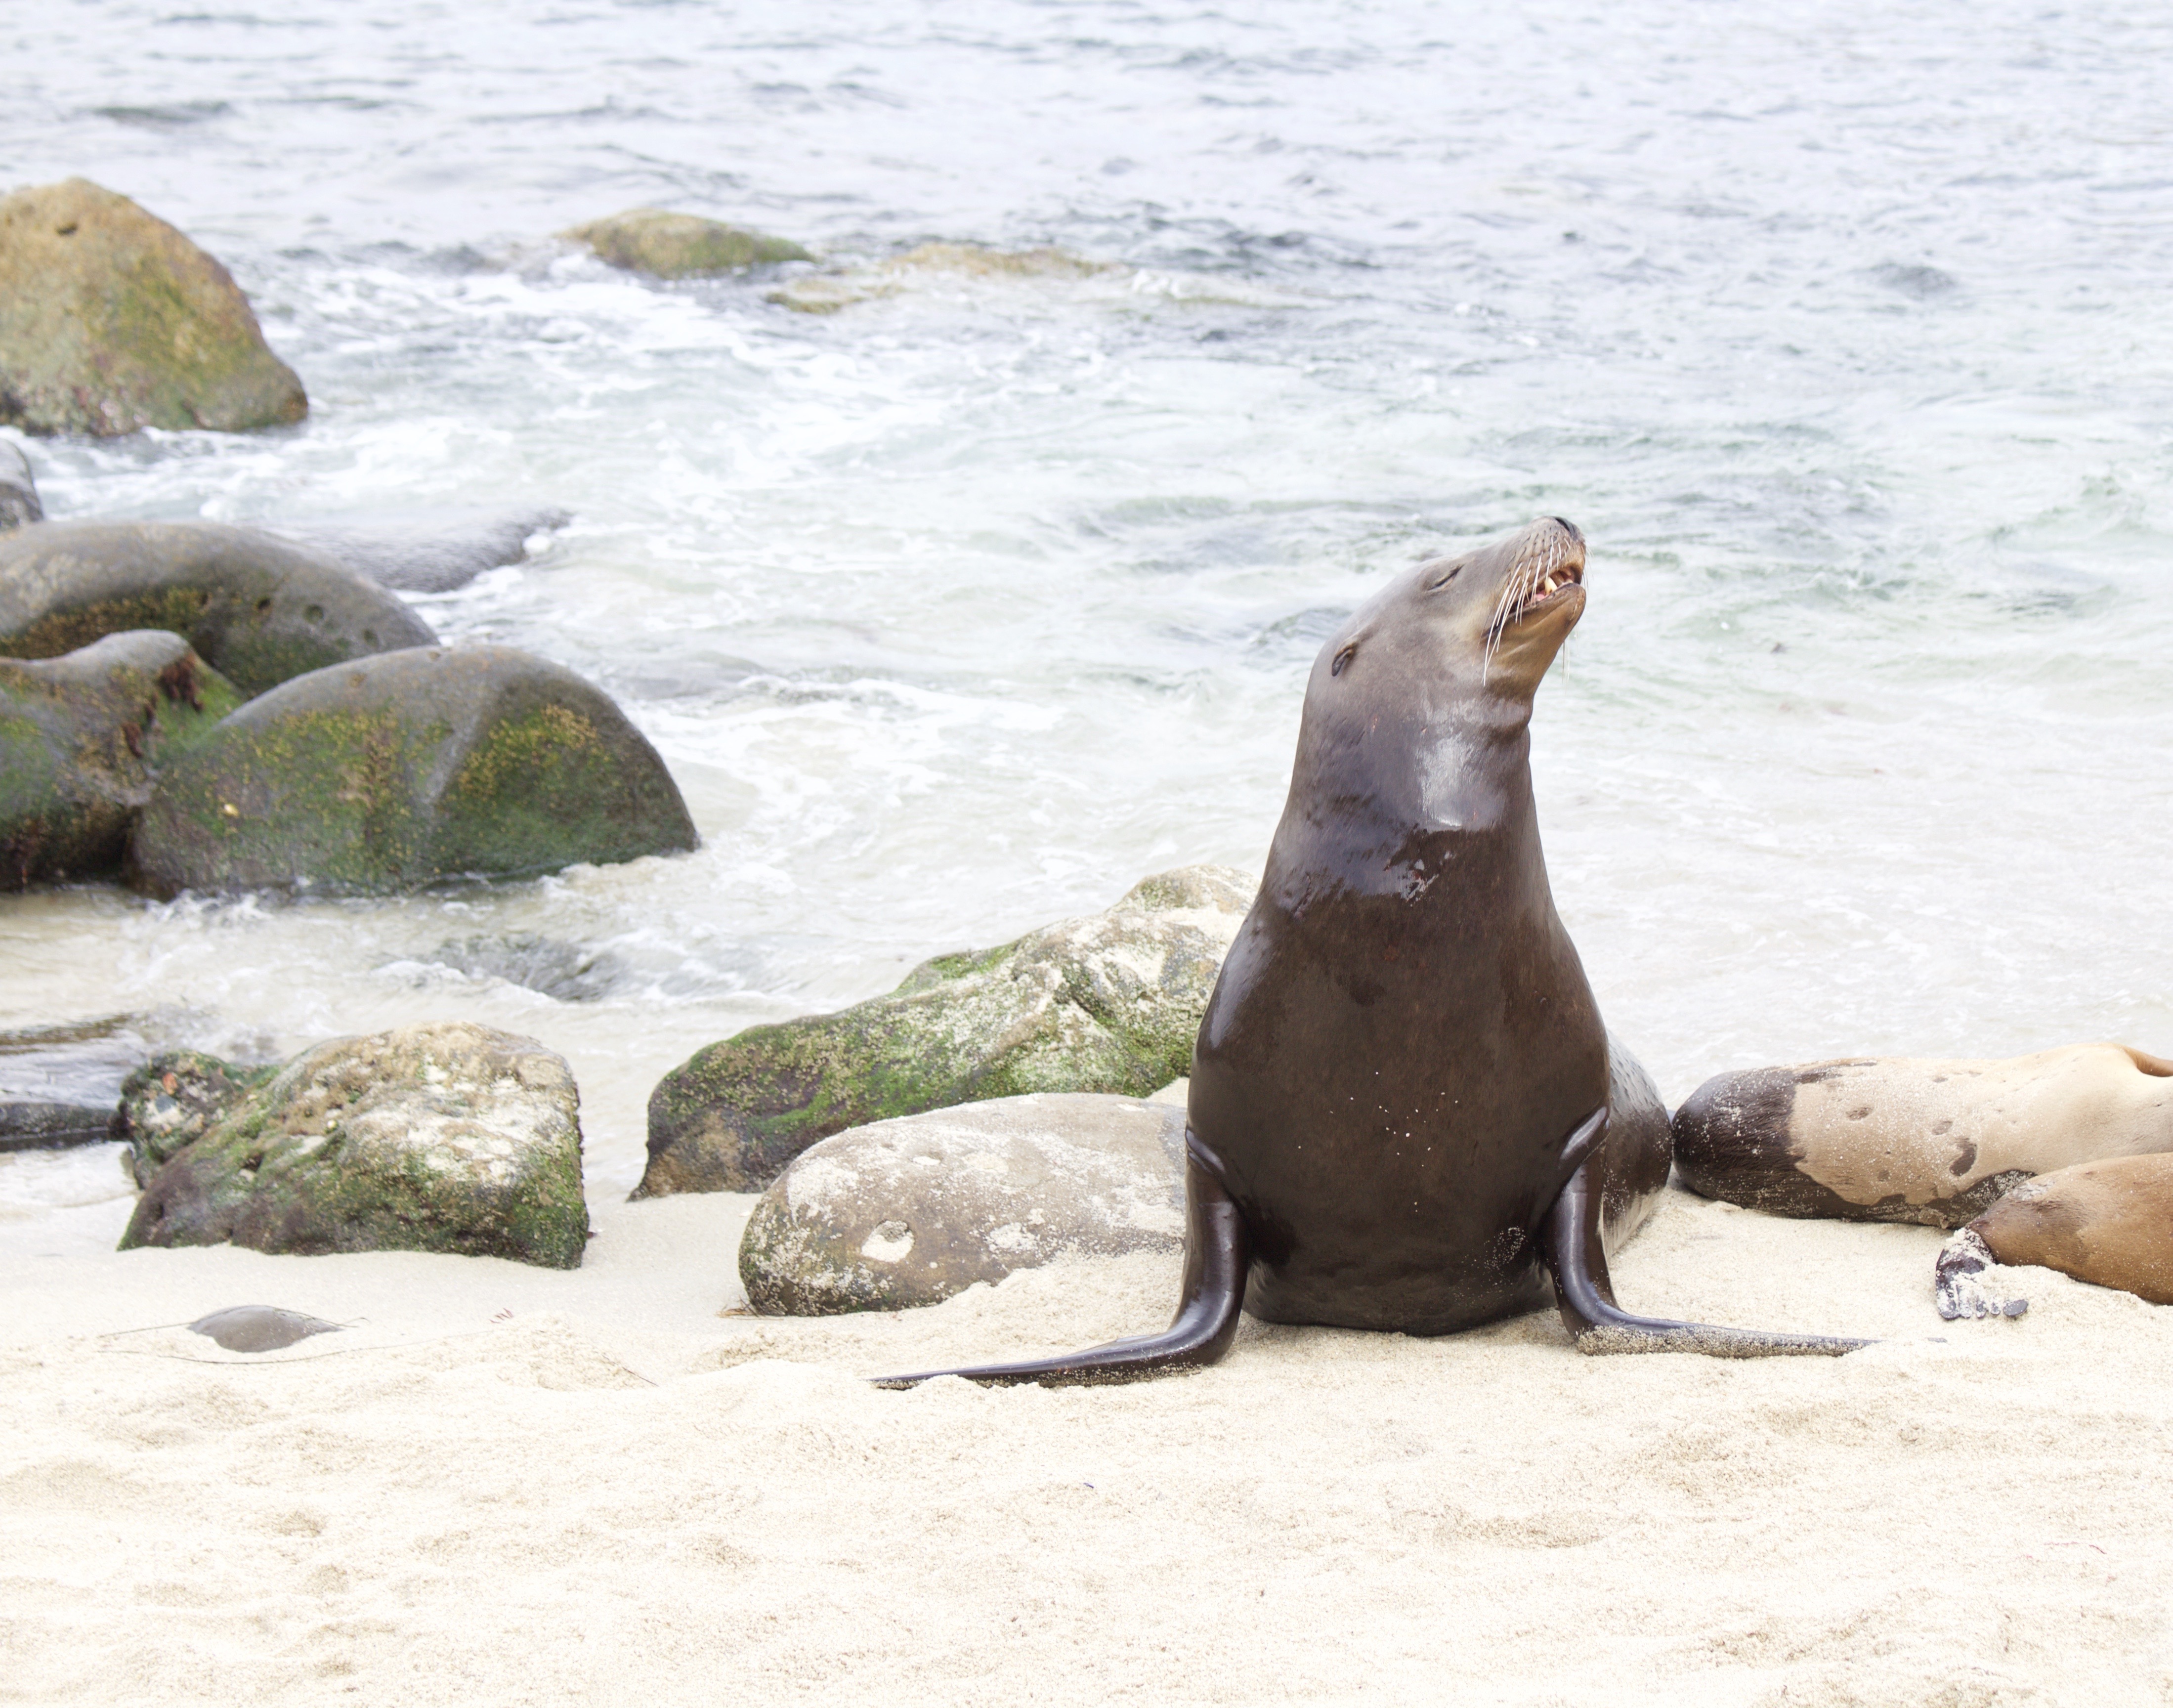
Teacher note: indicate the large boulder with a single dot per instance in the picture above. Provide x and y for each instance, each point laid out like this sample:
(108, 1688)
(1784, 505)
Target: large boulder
(426, 550)
(173, 1100)
(19, 492)
(259, 610)
(908, 1212)
(112, 320)
(444, 1138)
(1110, 1003)
(80, 738)
(681, 245)
(394, 772)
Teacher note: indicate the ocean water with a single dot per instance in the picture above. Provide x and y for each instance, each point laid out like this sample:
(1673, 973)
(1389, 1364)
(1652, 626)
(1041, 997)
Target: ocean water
(1843, 333)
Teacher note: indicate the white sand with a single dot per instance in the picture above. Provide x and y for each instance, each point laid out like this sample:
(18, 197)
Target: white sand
(614, 1494)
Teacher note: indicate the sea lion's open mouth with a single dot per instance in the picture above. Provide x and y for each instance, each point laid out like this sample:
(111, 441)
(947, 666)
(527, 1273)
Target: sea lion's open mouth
(1551, 562)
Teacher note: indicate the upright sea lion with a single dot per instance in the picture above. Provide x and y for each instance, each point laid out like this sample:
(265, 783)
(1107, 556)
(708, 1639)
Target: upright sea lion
(1404, 1110)
(2110, 1223)
(1927, 1141)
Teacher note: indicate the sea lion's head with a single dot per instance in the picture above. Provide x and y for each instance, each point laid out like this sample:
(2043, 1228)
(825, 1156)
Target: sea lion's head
(1487, 623)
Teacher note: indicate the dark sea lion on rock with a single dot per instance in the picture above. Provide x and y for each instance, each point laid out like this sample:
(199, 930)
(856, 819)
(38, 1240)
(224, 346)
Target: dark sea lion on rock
(1404, 1110)
(1900, 1139)
(2110, 1223)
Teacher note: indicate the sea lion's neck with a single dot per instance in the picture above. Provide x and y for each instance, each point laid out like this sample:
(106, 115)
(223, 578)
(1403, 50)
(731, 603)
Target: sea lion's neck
(1394, 800)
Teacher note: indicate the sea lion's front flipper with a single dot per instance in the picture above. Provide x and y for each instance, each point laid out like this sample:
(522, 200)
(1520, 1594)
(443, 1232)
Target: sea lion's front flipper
(1217, 1254)
(1586, 1297)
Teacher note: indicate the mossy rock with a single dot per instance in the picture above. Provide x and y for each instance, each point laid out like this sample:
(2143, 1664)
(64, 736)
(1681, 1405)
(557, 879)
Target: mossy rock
(258, 610)
(909, 1212)
(80, 739)
(391, 772)
(444, 1138)
(173, 1101)
(112, 320)
(1110, 1003)
(681, 245)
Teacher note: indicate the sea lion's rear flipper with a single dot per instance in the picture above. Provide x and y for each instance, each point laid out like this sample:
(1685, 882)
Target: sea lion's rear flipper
(1217, 1254)
(1586, 1297)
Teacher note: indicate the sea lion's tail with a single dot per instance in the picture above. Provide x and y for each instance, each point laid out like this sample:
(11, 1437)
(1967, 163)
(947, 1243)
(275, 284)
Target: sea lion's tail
(1217, 1256)
(1586, 1297)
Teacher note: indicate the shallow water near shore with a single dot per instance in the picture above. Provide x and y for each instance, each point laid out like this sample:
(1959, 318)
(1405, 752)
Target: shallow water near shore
(957, 612)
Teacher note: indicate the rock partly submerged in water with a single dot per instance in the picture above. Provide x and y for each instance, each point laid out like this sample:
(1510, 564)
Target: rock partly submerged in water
(908, 1212)
(19, 492)
(59, 1083)
(80, 739)
(826, 293)
(173, 1101)
(444, 1138)
(427, 550)
(112, 320)
(391, 772)
(681, 245)
(258, 610)
(1109, 1002)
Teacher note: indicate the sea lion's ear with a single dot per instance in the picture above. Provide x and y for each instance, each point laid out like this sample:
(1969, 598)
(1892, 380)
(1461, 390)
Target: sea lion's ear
(1343, 658)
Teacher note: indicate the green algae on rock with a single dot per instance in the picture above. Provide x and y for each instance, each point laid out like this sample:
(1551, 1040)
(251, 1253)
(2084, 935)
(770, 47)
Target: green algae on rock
(441, 1138)
(681, 245)
(112, 320)
(406, 769)
(258, 609)
(1110, 1003)
(908, 1212)
(80, 739)
(173, 1101)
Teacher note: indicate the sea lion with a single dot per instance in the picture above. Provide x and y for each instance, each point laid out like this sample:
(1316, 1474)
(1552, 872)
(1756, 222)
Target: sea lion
(1902, 1139)
(1405, 1113)
(2110, 1223)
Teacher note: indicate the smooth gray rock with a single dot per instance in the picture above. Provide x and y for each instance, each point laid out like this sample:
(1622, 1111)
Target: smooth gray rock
(259, 610)
(910, 1211)
(423, 550)
(19, 492)
(446, 1138)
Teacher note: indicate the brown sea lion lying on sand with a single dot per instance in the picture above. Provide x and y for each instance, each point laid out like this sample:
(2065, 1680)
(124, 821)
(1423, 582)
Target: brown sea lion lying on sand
(2110, 1223)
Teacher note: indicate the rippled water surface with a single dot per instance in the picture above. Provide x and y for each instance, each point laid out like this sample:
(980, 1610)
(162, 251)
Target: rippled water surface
(1843, 335)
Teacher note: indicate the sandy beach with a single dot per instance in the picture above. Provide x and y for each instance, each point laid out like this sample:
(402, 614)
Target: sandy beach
(508, 1485)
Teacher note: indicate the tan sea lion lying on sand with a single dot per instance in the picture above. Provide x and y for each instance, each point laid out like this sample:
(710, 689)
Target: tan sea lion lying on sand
(2058, 1157)
(1918, 1140)
(2110, 1223)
